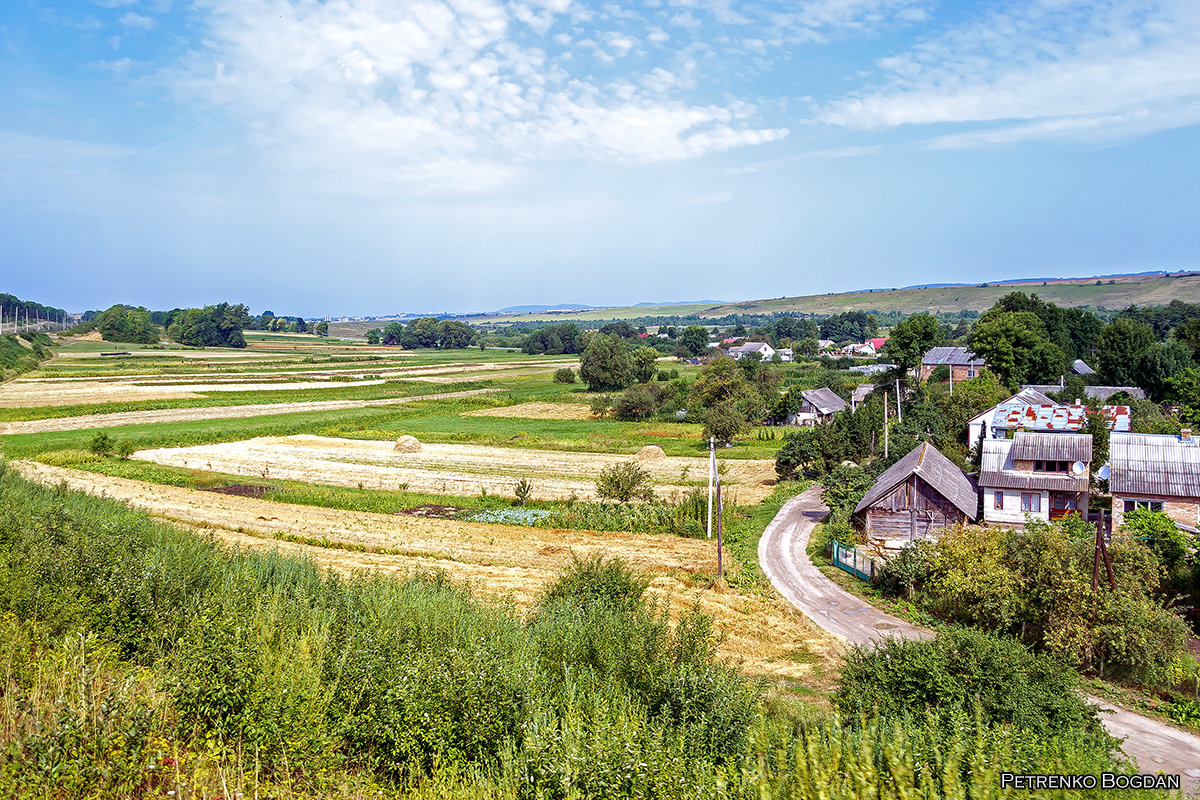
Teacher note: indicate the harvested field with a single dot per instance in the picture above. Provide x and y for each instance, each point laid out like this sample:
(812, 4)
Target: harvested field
(23, 394)
(536, 411)
(119, 418)
(241, 490)
(457, 469)
(762, 634)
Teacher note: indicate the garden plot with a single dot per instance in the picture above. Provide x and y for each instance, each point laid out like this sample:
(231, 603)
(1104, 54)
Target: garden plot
(463, 470)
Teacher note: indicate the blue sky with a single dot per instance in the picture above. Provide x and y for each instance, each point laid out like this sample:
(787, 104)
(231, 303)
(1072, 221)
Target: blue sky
(362, 156)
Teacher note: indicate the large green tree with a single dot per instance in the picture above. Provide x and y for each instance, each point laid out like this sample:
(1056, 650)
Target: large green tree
(129, 325)
(1016, 349)
(1120, 348)
(644, 359)
(606, 365)
(911, 338)
(694, 340)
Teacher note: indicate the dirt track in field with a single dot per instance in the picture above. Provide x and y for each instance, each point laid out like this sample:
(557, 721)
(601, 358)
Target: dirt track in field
(463, 470)
(119, 418)
(536, 411)
(761, 633)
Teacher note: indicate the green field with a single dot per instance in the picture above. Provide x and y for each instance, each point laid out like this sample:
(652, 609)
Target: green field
(1120, 293)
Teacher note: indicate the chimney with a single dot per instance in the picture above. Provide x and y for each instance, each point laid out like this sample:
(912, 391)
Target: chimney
(1078, 402)
(1186, 434)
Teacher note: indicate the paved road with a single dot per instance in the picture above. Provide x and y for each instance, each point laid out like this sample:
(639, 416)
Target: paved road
(782, 552)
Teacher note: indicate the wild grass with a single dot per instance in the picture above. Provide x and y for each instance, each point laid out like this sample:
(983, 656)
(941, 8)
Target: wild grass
(137, 659)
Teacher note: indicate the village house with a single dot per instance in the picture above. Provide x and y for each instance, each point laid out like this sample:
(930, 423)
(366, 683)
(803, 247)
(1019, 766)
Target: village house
(816, 406)
(1156, 471)
(878, 342)
(760, 350)
(1027, 396)
(862, 350)
(1054, 418)
(1079, 367)
(825, 344)
(860, 393)
(785, 354)
(1037, 475)
(919, 496)
(963, 364)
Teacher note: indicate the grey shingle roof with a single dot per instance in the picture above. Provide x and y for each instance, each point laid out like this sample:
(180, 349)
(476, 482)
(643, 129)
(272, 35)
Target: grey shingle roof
(931, 466)
(1079, 367)
(958, 356)
(1154, 464)
(824, 400)
(997, 471)
(1029, 446)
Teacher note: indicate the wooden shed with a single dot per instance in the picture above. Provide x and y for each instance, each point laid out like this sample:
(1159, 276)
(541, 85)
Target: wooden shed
(918, 496)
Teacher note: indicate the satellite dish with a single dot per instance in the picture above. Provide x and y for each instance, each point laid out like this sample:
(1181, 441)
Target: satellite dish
(1078, 468)
(1103, 472)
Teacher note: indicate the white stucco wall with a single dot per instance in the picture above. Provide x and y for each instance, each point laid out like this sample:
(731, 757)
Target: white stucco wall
(1012, 513)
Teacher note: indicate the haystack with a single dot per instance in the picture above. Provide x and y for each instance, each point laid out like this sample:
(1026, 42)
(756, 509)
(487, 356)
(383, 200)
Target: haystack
(408, 444)
(651, 452)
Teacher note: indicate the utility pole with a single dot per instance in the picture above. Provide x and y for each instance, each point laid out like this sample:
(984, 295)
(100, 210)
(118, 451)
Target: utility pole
(712, 470)
(899, 414)
(720, 562)
(885, 427)
(952, 380)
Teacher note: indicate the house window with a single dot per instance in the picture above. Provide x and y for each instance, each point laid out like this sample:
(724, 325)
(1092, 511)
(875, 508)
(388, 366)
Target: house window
(1050, 466)
(998, 501)
(1152, 505)
(1031, 502)
(970, 372)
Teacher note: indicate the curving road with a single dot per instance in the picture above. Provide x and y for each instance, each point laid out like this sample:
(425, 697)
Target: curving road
(783, 554)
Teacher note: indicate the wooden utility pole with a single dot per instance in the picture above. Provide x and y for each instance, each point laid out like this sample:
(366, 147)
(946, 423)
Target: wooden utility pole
(885, 427)
(720, 561)
(1100, 554)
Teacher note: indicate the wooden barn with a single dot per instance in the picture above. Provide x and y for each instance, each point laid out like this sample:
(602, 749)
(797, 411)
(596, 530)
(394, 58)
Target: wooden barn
(918, 496)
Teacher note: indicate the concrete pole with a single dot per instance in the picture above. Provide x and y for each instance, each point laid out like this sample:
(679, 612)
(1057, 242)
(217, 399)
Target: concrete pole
(712, 470)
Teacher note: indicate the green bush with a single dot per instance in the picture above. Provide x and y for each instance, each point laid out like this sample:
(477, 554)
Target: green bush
(624, 482)
(969, 672)
(102, 444)
(564, 375)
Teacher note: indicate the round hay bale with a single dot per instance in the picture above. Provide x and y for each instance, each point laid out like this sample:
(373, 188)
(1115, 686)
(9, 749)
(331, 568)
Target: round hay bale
(408, 444)
(651, 452)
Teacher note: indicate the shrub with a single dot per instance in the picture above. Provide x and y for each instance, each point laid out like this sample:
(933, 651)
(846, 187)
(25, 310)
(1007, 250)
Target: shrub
(522, 491)
(564, 375)
(624, 482)
(724, 422)
(596, 582)
(601, 405)
(102, 444)
(125, 448)
(972, 672)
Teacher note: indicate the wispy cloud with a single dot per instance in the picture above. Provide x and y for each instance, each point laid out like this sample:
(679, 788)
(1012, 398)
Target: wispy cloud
(441, 94)
(1043, 69)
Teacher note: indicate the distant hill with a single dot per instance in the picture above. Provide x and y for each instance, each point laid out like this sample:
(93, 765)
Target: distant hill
(1109, 291)
(536, 309)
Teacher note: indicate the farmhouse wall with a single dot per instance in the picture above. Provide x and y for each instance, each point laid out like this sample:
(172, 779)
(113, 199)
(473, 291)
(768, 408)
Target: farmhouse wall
(913, 510)
(1182, 511)
(1011, 513)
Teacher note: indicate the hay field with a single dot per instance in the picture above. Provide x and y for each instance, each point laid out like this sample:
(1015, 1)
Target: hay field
(762, 634)
(26, 394)
(456, 469)
(535, 410)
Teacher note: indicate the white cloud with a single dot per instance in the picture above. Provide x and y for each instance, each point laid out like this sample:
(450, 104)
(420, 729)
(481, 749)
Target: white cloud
(138, 21)
(1045, 69)
(436, 95)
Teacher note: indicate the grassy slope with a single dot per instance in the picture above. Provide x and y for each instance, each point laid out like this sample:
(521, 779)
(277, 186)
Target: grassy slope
(1150, 290)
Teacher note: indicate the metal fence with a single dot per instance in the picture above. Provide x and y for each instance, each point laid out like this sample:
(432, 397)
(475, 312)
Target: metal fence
(851, 560)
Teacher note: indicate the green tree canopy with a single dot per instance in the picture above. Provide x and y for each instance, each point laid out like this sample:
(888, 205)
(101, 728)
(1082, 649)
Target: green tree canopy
(694, 340)
(1015, 347)
(911, 338)
(606, 365)
(1120, 348)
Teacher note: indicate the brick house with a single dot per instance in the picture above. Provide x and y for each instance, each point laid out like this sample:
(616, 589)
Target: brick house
(963, 364)
(1156, 471)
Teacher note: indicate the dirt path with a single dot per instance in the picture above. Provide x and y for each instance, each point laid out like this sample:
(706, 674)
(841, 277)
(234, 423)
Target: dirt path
(213, 412)
(762, 635)
(783, 554)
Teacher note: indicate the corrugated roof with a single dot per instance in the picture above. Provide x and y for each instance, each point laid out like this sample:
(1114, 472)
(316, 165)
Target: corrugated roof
(1055, 417)
(1029, 446)
(1093, 392)
(1079, 367)
(931, 466)
(824, 400)
(958, 356)
(997, 471)
(1154, 464)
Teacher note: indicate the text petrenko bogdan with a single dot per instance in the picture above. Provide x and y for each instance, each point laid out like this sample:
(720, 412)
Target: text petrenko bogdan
(1105, 780)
